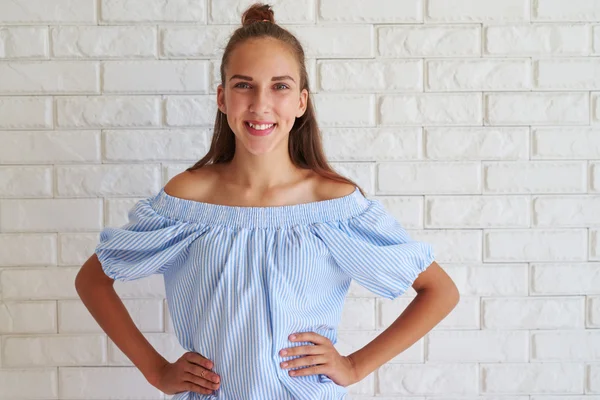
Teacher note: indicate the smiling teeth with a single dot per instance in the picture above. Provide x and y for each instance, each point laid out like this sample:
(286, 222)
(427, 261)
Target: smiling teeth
(261, 127)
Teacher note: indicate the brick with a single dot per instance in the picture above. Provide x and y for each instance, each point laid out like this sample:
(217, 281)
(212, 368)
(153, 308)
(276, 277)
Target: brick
(28, 250)
(190, 110)
(43, 11)
(581, 279)
(429, 178)
(375, 11)
(595, 97)
(97, 383)
(54, 350)
(374, 144)
(343, 41)
(566, 211)
(594, 244)
(287, 11)
(155, 145)
(476, 143)
(103, 41)
(593, 312)
(407, 209)
(459, 379)
(533, 313)
(339, 110)
(550, 245)
(546, 378)
(594, 176)
(361, 173)
(593, 378)
(17, 384)
(429, 41)
(469, 75)
(477, 11)
(574, 346)
(108, 111)
(490, 279)
(50, 215)
(478, 346)
(75, 248)
(477, 212)
(34, 181)
(23, 42)
(567, 74)
(363, 307)
(204, 41)
(566, 143)
(153, 11)
(536, 40)
(537, 108)
(596, 39)
(28, 317)
(26, 112)
(49, 77)
(38, 284)
(155, 76)
(112, 180)
(452, 245)
(557, 10)
(385, 75)
(535, 177)
(38, 147)
(431, 109)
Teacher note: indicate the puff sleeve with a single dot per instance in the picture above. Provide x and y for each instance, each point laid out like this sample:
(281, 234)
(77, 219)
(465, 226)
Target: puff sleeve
(376, 251)
(147, 244)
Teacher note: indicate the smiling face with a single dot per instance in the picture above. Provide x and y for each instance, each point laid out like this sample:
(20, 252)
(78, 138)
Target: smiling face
(261, 95)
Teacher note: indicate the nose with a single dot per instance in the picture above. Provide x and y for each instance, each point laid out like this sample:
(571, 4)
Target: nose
(261, 101)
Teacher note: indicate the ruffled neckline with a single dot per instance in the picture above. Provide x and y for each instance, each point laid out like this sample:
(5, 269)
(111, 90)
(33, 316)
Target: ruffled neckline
(194, 211)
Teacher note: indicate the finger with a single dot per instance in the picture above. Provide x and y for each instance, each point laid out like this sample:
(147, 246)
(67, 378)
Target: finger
(199, 359)
(319, 369)
(192, 387)
(302, 350)
(202, 373)
(304, 361)
(201, 382)
(309, 337)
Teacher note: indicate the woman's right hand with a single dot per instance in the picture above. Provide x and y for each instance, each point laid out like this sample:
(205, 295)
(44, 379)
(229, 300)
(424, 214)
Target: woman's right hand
(191, 372)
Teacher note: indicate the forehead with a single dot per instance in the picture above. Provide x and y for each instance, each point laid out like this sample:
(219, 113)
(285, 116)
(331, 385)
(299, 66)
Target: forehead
(262, 58)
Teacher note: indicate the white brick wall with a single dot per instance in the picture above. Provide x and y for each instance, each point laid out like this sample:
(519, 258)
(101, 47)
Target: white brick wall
(476, 123)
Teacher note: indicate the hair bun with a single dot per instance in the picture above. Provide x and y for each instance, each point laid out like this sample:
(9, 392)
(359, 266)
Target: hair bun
(258, 12)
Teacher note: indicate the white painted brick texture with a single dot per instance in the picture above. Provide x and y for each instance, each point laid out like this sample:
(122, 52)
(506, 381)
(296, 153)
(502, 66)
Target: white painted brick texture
(475, 122)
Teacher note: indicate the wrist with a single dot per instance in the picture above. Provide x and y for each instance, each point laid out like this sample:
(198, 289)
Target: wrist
(153, 373)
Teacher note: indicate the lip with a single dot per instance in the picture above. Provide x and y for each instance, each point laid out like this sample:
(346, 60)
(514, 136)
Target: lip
(255, 122)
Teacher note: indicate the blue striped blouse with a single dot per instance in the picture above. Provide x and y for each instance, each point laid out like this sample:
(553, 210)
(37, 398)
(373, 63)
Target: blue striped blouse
(240, 280)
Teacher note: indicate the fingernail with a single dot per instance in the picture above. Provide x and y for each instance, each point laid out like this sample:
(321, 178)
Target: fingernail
(283, 352)
(293, 337)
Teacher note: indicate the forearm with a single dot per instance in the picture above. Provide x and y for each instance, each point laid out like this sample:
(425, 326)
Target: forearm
(108, 310)
(426, 310)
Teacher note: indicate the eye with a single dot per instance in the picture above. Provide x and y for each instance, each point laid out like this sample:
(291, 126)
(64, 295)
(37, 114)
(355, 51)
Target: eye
(282, 84)
(241, 83)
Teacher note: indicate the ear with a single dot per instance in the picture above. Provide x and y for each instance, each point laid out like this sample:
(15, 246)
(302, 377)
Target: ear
(302, 103)
(221, 99)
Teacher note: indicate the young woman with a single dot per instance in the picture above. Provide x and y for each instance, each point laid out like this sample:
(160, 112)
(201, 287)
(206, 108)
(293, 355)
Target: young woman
(258, 243)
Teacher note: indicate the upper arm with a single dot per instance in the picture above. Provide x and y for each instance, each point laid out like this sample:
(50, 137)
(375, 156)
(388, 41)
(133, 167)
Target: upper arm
(433, 277)
(91, 271)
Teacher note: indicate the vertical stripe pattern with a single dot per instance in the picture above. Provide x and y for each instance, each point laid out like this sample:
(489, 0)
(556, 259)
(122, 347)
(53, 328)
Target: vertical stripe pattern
(240, 280)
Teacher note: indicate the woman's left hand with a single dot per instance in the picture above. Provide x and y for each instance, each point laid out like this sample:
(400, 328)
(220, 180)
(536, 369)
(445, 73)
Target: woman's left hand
(323, 357)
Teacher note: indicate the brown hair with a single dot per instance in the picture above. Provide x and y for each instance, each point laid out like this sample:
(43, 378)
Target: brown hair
(305, 145)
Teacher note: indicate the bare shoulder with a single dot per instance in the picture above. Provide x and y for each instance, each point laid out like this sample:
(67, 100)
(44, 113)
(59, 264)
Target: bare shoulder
(329, 189)
(190, 185)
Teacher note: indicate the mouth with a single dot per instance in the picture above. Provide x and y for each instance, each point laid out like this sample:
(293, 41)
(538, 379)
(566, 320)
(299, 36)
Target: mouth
(259, 129)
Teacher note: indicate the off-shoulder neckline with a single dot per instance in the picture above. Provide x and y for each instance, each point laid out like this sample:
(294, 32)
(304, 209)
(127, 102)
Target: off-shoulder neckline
(195, 211)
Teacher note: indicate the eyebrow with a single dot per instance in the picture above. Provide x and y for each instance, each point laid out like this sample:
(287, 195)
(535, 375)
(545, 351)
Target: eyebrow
(275, 78)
